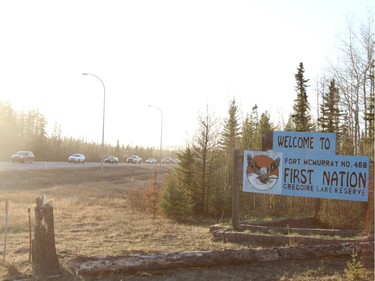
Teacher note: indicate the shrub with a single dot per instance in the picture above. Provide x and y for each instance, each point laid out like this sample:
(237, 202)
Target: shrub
(354, 269)
(176, 202)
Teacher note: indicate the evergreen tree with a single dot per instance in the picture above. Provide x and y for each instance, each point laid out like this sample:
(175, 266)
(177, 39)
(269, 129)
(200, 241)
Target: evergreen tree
(289, 126)
(231, 132)
(346, 145)
(247, 132)
(257, 138)
(40, 135)
(329, 121)
(301, 116)
(250, 139)
(185, 169)
(9, 140)
(230, 140)
(265, 124)
(176, 202)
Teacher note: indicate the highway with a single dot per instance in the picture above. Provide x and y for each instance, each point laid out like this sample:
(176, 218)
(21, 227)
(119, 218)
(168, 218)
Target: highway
(9, 166)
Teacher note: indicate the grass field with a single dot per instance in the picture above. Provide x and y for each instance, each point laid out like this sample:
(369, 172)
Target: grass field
(109, 215)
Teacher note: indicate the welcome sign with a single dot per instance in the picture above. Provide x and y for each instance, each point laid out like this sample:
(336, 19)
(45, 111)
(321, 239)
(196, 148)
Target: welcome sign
(305, 164)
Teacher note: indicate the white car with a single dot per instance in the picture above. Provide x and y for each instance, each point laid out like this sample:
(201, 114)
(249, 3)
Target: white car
(135, 159)
(111, 160)
(77, 158)
(168, 160)
(151, 161)
(23, 157)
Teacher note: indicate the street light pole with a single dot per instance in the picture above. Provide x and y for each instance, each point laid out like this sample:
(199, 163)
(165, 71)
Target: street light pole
(102, 160)
(161, 130)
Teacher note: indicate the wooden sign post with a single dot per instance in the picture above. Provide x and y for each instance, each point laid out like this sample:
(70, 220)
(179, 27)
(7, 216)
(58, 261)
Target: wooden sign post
(237, 184)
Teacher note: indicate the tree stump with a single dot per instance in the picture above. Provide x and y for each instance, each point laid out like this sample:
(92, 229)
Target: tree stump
(44, 254)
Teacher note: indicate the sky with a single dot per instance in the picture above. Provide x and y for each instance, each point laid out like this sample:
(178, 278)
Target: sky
(181, 57)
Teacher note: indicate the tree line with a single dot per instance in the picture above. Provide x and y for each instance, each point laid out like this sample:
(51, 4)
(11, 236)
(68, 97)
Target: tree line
(26, 130)
(203, 180)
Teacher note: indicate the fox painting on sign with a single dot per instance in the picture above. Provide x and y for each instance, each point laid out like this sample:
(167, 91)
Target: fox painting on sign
(262, 172)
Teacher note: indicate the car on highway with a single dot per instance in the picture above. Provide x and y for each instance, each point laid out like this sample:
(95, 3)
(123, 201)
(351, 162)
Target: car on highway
(168, 160)
(135, 159)
(151, 161)
(77, 158)
(111, 160)
(23, 157)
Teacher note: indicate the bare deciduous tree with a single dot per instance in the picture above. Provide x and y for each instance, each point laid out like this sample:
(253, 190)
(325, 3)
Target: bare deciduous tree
(353, 75)
(203, 148)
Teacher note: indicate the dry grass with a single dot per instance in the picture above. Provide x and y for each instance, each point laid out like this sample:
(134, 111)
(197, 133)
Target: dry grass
(99, 215)
(95, 215)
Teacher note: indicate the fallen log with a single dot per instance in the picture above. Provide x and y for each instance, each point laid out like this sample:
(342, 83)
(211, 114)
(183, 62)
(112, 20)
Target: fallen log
(133, 263)
(302, 231)
(279, 239)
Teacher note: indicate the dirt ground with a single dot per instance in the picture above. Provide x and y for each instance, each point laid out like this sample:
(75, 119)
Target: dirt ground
(91, 210)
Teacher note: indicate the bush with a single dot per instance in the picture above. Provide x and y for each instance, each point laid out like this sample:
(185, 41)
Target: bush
(176, 202)
(354, 269)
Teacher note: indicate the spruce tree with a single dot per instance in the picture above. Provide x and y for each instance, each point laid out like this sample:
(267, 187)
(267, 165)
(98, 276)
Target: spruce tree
(185, 168)
(230, 140)
(301, 117)
(265, 124)
(250, 138)
(246, 133)
(329, 120)
(346, 145)
(176, 202)
(230, 137)
(231, 132)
